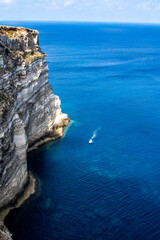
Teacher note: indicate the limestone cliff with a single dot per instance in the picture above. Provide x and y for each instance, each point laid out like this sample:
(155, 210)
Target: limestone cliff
(30, 114)
(4, 233)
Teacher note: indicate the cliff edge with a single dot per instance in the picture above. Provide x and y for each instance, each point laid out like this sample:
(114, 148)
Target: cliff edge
(30, 114)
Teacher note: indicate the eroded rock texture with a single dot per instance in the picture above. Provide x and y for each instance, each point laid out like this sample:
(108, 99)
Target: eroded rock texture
(30, 114)
(4, 233)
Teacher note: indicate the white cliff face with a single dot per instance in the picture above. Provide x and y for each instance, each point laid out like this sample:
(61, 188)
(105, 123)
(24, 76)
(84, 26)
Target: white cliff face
(30, 114)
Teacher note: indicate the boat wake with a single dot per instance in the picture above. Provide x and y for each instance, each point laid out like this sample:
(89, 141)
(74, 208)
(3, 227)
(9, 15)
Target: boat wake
(94, 135)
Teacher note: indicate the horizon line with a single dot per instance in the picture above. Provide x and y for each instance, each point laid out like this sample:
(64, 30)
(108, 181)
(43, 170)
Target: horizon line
(82, 21)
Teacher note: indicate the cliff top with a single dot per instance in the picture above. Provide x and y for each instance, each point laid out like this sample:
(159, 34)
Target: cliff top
(18, 45)
(18, 39)
(16, 32)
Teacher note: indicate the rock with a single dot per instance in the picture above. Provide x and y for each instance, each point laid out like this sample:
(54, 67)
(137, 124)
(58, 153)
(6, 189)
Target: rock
(4, 233)
(30, 114)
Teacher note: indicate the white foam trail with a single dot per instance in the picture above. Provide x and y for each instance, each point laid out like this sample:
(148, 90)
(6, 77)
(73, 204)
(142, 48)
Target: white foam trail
(94, 134)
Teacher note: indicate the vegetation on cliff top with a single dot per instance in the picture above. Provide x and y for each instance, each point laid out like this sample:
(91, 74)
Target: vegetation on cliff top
(10, 33)
(16, 32)
(33, 56)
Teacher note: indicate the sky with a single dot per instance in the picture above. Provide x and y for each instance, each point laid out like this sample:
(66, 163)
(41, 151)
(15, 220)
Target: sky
(146, 11)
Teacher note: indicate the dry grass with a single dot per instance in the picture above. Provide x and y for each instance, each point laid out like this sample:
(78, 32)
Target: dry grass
(33, 56)
(10, 33)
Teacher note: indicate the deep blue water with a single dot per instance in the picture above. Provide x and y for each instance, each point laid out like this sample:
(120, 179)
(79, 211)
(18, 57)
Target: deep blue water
(108, 77)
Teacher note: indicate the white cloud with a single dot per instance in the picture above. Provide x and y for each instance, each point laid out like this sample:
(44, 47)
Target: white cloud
(6, 1)
(53, 4)
(150, 5)
(122, 6)
(48, 4)
(145, 6)
(41, 4)
(68, 2)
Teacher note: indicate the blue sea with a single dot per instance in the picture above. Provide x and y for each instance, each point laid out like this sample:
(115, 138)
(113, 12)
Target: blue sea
(108, 79)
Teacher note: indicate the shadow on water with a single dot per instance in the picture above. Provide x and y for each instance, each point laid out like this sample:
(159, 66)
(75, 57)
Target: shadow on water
(122, 211)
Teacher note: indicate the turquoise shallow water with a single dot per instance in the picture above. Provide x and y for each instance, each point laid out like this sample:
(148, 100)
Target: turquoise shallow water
(108, 77)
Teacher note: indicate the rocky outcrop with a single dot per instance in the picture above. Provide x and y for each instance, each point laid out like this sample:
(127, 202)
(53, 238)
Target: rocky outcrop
(30, 114)
(4, 233)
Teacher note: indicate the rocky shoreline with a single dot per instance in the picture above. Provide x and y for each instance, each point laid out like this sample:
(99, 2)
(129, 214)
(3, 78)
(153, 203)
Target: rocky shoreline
(30, 114)
(30, 189)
